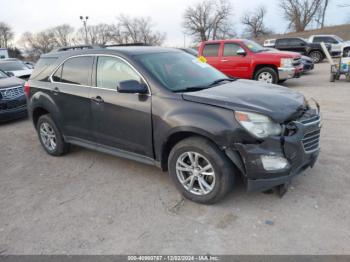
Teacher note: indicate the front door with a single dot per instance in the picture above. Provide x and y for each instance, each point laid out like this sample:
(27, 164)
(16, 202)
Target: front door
(233, 64)
(120, 120)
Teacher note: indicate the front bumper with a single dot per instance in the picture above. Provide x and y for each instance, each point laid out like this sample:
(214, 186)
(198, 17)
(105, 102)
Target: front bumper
(286, 73)
(13, 109)
(300, 149)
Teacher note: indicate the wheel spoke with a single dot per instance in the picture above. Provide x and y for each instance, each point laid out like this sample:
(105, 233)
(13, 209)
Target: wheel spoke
(204, 183)
(190, 185)
(206, 168)
(190, 156)
(207, 173)
(183, 164)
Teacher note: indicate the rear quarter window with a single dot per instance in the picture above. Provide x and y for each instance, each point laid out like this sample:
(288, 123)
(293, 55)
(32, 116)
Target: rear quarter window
(43, 68)
(211, 50)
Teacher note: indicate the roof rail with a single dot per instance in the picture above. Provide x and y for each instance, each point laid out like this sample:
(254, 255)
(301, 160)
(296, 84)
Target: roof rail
(77, 47)
(128, 44)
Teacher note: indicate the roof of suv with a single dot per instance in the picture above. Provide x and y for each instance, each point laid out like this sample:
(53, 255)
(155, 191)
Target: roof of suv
(123, 50)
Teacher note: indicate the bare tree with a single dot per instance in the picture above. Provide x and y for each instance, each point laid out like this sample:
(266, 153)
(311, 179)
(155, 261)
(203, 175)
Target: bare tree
(39, 43)
(254, 22)
(63, 34)
(300, 13)
(140, 29)
(209, 19)
(6, 34)
(99, 34)
(321, 13)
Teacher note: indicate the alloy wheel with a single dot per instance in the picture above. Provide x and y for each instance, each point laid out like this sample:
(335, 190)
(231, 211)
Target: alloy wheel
(316, 57)
(195, 173)
(48, 136)
(265, 77)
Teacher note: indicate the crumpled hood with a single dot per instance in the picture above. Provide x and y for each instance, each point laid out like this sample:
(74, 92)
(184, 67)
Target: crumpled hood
(10, 82)
(277, 102)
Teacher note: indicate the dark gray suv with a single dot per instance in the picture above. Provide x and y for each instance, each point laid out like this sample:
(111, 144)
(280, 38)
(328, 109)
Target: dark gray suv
(166, 108)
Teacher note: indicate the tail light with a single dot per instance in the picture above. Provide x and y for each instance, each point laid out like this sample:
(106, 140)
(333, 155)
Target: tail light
(27, 89)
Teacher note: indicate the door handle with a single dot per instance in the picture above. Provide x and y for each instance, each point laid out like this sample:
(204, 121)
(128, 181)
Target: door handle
(55, 91)
(97, 99)
(224, 60)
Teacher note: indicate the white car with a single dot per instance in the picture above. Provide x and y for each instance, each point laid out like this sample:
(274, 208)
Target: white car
(16, 68)
(269, 43)
(338, 45)
(4, 53)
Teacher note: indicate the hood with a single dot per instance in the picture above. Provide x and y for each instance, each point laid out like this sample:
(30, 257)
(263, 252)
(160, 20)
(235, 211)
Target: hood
(277, 102)
(22, 73)
(280, 54)
(10, 82)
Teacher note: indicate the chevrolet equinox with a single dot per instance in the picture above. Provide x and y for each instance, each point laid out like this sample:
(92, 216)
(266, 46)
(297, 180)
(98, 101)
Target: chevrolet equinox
(166, 108)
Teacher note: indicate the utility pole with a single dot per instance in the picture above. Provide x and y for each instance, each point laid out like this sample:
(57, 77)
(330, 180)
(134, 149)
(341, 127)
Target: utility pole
(84, 20)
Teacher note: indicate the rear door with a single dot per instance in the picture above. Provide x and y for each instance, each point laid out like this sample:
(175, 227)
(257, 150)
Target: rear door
(232, 64)
(120, 120)
(71, 92)
(211, 53)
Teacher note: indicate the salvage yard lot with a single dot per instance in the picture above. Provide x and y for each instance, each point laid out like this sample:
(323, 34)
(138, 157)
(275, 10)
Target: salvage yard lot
(91, 203)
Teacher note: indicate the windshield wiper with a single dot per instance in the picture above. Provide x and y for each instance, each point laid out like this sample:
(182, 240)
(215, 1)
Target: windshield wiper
(221, 80)
(190, 89)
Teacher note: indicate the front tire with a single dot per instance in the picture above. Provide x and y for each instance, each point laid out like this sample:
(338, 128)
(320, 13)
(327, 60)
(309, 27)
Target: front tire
(316, 56)
(200, 171)
(50, 137)
(266, 75)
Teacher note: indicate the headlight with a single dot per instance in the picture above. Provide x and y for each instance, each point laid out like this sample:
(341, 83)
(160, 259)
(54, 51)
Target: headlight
(258, 125)
(286, 62)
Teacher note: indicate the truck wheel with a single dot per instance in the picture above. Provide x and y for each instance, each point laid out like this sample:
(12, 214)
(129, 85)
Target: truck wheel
(50, 137)
(267, 75)
(316, 56)
(200, 171)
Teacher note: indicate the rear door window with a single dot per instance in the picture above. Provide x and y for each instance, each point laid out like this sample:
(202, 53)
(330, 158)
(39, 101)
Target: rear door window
(211, 50)
(77, 70)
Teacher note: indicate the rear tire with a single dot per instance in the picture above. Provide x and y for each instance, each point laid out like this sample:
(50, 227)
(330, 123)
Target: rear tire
(316, 56)
(266, 75)
(200, 171)
(50, 136)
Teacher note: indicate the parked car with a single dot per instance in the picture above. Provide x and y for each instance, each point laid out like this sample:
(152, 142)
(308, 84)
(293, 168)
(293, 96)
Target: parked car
(12, 98)
(4, 53)
(246, 59)
(338, 45)
(269, 43)
(166, 108)
(308, 63)
(300, 45)
(15, 67)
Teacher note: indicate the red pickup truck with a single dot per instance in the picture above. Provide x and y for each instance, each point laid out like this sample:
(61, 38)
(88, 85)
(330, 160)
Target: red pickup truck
(242, 58)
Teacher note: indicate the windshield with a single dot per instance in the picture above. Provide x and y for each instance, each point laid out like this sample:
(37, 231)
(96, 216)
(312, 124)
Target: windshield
(179, 71)
(12, 66)
(254, 47)
(3, 75)
(338, 38)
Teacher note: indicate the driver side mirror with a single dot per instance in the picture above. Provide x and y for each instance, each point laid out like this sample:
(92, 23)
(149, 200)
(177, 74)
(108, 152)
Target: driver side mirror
(132, 87)
(10, 74)
(241, 52)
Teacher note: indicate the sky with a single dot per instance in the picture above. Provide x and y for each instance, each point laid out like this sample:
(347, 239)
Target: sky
(36, 15)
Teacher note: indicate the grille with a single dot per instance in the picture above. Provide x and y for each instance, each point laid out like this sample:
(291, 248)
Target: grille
(12, 92)
(296, 61)
(310, 120)
(311, 141)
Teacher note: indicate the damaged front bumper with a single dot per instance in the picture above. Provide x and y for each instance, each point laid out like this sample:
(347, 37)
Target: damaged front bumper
(292, 154)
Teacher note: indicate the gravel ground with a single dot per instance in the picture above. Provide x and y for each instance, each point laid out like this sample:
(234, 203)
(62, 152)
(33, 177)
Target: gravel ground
(92, 203)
